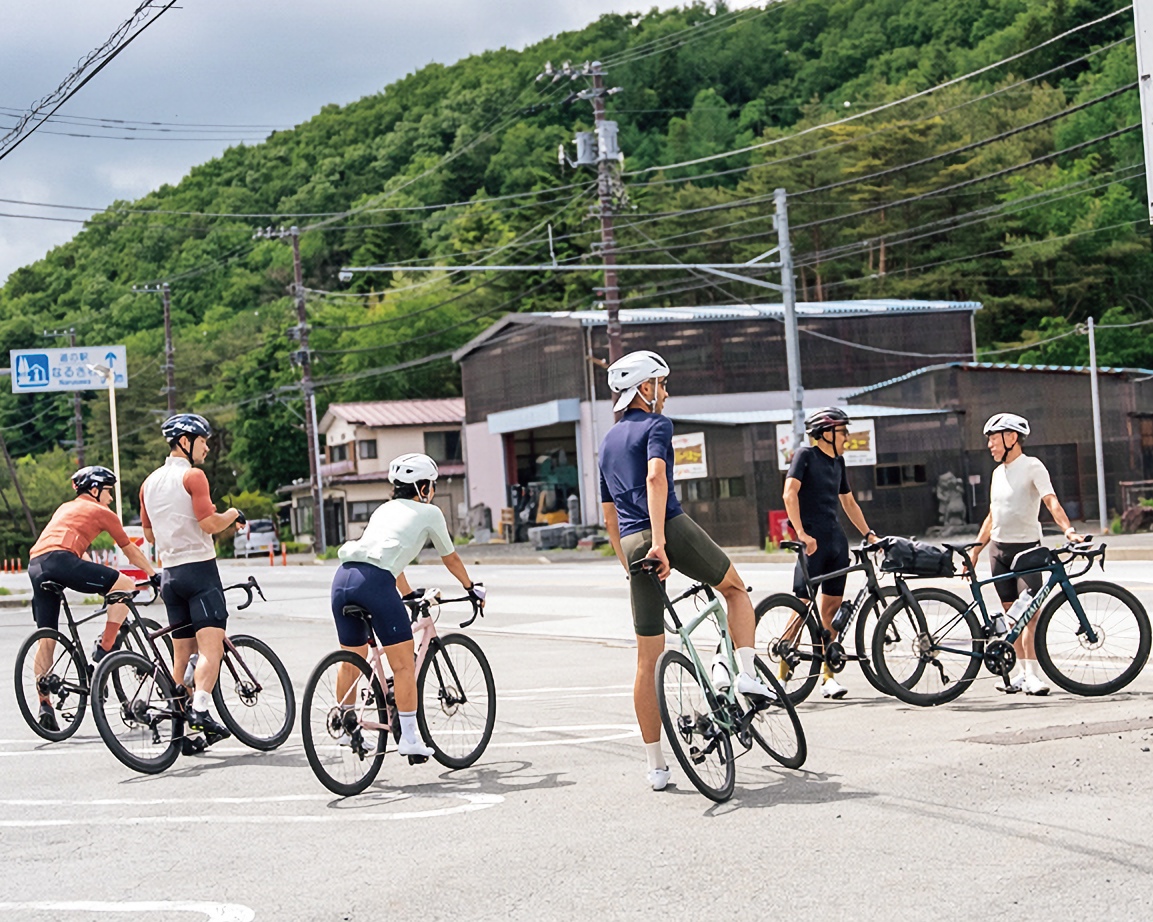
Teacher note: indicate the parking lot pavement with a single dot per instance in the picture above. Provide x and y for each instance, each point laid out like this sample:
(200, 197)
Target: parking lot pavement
(1034, 808)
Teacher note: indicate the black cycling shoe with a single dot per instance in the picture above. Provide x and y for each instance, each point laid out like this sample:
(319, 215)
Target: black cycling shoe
(48, 718)
(192, 745)
(98, 651)
(203, 721)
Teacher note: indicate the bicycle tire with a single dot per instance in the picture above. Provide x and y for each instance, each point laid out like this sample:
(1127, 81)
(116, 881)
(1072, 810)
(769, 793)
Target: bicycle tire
(340, 767)
(66, 684)
(777, 728)
(456, 711)
(910, 654)
(773, 616)
(866, 625)
(1118, 618)
(688, 721)
(132, 699)
(131, 639)
(260, 716)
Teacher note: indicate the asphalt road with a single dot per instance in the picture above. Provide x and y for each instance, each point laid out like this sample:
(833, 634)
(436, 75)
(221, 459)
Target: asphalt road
(1023, 808)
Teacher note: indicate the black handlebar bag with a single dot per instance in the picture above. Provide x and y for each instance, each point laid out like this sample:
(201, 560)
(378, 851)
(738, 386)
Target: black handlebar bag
(916, 558)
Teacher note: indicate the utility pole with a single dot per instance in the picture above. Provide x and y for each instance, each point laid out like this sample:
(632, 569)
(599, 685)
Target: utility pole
(792, 339)
(16, 483)
(303, 358)
(599, 148)
(1098, 447)
(169, 359)
(77, 418)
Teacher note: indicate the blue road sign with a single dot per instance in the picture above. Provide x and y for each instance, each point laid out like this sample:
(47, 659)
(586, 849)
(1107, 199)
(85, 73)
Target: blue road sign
(66, 369)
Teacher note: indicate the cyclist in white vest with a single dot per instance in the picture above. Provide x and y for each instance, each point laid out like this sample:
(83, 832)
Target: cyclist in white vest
(180, 519)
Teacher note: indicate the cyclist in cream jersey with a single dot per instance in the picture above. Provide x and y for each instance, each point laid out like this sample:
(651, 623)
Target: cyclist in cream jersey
(371, 575)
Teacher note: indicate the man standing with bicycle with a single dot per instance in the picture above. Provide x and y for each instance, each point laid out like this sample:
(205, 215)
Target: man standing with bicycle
(180, 519)
(1019, 485)
(816, 489)
(644, 519)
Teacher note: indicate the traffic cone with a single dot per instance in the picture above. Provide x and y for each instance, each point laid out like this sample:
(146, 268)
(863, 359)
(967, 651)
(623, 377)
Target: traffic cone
(283, 556)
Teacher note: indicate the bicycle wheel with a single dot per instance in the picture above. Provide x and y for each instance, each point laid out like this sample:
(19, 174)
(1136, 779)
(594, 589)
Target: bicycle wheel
(866, 626)
(131, 638)
(64, 684)
(345, 755)
(455, 700)
(776, 727)
(1119, 653)
(133, 701)
(929, 656)
(253, 694)
(701, 745)
(784, 630)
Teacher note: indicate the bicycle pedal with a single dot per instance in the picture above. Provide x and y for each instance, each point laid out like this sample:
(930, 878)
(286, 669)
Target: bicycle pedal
(417, 760)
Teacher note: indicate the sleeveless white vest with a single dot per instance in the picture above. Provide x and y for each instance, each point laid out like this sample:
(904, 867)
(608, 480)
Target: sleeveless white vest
(179, 537)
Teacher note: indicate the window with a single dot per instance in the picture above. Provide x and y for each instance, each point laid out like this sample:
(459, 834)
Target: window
(900, 475)
(730, 487)
(366, 448)
(696, 491)
(362, 512)
(338, 452)
(443, 447)
(302, 517)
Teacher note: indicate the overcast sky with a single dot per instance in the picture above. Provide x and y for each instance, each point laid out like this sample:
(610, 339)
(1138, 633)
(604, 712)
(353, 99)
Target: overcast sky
(216, 62)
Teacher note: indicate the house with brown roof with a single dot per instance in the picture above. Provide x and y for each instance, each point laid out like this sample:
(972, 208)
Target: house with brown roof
(359, 441)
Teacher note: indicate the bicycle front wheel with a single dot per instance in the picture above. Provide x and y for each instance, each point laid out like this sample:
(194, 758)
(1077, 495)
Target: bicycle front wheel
(254, 694)
(865, 627)
(929, 654)
(702, 746)
(776, 727)
(790, 642)
(345, 755)
(136, 713)
(455, 700)
(1113, 659)
(60, 679)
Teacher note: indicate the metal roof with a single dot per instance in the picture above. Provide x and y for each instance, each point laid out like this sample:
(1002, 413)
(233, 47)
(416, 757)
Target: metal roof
(785, 415)
(395, 413)
(773, 312)
(999, 366)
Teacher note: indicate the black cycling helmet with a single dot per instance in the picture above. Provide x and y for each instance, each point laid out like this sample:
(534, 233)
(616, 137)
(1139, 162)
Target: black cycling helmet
(824, 419)
(92, 479)
(189, 424)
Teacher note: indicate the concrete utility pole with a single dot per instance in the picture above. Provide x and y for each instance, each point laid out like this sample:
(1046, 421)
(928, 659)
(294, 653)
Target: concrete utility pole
(789, 296)
(1143, 29)
(303, 358)
(169, 359)
(76, 416)
(1098, 447)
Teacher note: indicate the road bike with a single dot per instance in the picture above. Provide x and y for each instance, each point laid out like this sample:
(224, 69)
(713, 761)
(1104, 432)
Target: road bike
(790, 630)
(700, 720)
(141, 713)
(63, 679)
(1091, 638)
(345, 732)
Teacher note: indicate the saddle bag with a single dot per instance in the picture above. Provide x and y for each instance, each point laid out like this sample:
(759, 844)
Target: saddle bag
(916, 558)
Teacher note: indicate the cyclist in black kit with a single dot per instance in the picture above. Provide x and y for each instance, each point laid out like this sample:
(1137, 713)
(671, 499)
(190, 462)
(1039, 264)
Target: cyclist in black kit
(816, 488)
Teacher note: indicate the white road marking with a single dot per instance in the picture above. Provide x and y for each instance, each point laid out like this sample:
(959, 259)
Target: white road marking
(213, 912)
(625, 732)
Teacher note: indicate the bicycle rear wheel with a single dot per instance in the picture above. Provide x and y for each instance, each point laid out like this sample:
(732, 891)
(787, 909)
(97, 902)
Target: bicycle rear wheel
(345, 756)
(63, 684)
(784, 632)
(133, 701)
(701, 745)
(1116, 657)
(864, 629)
(131, 639)
(259, 708)
(931, 654)
(777, 728)
(455, 700)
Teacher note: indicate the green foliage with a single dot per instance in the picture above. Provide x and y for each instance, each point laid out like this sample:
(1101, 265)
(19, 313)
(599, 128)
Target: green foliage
(253, 504)
(1042, 248)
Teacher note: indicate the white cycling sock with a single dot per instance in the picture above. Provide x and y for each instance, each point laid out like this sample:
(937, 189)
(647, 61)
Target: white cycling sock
(200, 700)
(655, 756)
(1028, 666)
(745, 657)
(408, 725)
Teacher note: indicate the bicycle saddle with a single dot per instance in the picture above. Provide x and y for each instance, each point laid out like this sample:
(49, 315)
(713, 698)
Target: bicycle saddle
(793, 545)
(960, 548)
(357, 611)
(645, 565)
(49, 586)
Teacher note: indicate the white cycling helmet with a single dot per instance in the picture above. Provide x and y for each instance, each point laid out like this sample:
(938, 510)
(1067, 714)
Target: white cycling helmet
(1006, 422)
(412, 468)
(628, 373)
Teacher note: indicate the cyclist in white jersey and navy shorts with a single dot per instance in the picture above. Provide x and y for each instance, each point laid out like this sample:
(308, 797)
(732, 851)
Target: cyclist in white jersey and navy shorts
(371, 575)
(1019, 485)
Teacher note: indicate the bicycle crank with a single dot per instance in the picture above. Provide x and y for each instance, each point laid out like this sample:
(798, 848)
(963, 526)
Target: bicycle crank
(1000, 658)
(835, 656)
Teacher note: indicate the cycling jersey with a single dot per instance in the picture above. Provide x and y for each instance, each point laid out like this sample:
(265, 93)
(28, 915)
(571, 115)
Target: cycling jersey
(173, 500)
(824, 480)
(624, 466)
(1015, 493)
(75, 525)
(396, 533)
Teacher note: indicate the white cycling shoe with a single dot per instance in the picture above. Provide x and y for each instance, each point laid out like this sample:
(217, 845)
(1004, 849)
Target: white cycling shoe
(413, 748)
(659, 778)
(1029, 684)
(747, 685)
(833, 689)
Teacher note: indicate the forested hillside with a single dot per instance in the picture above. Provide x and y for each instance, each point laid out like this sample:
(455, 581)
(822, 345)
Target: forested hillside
(953, 194)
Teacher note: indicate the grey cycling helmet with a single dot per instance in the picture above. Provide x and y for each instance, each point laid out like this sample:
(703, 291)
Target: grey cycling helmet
(629, 372)
(190, 424)
(824, 419)
(1006, 422)
(92, 479)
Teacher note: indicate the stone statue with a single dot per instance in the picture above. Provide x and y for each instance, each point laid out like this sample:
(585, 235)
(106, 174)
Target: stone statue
(951, 511)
